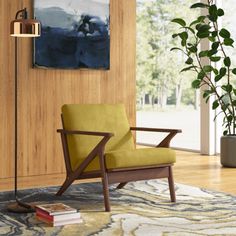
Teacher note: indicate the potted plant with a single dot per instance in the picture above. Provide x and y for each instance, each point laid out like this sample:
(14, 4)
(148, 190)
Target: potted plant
(217, 75)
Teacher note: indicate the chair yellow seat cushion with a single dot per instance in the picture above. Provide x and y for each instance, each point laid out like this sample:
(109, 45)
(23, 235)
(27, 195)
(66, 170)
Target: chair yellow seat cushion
(139, 157)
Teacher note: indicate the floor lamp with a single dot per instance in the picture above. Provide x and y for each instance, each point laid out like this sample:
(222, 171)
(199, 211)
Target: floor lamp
(20, 27)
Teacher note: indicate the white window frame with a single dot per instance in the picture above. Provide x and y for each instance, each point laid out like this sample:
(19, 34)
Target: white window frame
(208, 129)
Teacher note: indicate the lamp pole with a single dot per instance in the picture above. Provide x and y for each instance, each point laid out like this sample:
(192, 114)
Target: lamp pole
(20, 27)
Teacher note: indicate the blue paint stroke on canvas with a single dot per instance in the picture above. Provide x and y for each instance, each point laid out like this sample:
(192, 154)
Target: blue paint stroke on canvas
(75, 34)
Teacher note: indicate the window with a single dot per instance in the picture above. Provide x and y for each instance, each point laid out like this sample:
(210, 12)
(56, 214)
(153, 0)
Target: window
(164, 96)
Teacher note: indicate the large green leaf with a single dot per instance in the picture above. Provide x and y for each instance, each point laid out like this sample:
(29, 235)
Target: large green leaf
(215, 45)
(201, 5)
(175, 48)
(228, 88)
(228, 42)
(193, 49)
(216, 72)
(201, 75)
(220, 12)
(204, 34)
(179, 21)
(218, 78)
(183, 35)
(207, 68)
(203, 53)
(213, 18)
(223, 71)
(204, 28)
(225, 132)
(207, 93)
(199, 20)
(234, 71)
(215, 104)
(175, 35)
(224, 33)
(196, 84)
(212, 39)
(214, 33)
(198, 26)
(215, 59)
(211, 52)
(189, 61)
(213, 14)
(227, 61)
(188, 68)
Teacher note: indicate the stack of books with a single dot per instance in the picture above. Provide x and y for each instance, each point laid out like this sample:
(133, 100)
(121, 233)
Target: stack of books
(57, 214)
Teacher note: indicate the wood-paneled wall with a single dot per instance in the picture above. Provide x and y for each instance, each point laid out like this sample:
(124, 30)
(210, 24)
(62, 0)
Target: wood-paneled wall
(42, 92)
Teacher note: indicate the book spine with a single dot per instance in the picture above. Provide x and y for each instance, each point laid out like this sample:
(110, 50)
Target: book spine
(44, 220)
(44, 215)
(40, 210)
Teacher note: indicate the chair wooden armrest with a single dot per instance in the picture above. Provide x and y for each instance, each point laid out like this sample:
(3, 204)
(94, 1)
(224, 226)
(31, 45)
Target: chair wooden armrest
(156, 130)
(79, 132)
(166, 141)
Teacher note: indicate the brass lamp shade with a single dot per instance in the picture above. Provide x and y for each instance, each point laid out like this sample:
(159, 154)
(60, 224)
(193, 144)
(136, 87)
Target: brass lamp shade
(25, 28)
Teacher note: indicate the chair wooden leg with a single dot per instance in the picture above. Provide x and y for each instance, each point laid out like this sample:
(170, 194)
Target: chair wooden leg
(171, 185)
(106, 192)
(121, 185)
(65, 186)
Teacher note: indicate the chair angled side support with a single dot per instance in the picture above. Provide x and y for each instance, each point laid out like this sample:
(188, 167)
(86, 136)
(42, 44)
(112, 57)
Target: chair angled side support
(98, 149)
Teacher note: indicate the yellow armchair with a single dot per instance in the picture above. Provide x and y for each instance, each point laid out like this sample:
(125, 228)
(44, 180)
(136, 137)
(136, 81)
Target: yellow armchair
(98, 142)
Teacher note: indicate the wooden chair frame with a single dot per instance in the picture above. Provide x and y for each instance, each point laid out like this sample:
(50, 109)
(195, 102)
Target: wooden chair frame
(111, 176)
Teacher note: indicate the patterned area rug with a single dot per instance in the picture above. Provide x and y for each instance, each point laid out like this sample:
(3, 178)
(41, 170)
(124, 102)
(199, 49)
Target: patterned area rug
(142, 208)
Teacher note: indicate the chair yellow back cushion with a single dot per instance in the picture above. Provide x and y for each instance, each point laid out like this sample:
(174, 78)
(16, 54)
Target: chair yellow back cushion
(95, 117)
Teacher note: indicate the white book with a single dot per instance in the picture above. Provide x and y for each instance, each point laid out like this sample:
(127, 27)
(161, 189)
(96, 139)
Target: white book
(60, 223)
(56, 218)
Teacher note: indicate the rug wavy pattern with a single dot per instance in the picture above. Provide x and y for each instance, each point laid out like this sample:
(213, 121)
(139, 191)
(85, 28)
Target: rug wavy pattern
(141, 208)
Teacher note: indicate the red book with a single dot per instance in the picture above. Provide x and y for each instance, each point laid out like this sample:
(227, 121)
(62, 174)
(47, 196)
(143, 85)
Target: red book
(44, 215)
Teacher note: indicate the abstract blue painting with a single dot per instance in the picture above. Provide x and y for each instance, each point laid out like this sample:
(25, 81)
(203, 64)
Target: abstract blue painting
(75, 34)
